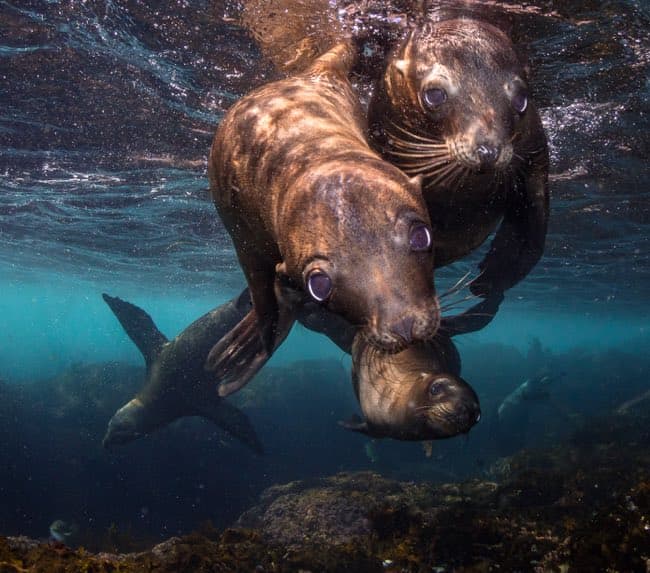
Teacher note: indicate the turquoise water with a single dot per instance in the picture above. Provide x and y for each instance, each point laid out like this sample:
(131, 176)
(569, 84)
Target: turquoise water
(108, 110)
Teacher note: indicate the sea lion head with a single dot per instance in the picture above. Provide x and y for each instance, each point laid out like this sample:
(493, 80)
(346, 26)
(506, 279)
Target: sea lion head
(369, 261)
(125, 425)
(416, 394)
(453, 102)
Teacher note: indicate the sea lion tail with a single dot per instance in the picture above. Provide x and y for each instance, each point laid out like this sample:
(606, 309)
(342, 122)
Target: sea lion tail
(232, 420)
(139, 326)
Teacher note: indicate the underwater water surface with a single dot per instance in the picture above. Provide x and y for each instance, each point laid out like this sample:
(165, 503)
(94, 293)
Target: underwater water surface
(108, 110)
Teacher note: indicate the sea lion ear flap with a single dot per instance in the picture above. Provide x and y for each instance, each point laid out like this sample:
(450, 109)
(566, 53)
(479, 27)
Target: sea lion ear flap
(401, 66)
(281, 271)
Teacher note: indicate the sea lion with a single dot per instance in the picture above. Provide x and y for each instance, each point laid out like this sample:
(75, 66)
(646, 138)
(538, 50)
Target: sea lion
(532, 389)
(454, 106)
(176, 384)
(307, 202)
(418, 394)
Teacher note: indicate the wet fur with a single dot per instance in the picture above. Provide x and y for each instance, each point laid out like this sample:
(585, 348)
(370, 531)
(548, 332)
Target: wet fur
(472, 61)
(296, 184)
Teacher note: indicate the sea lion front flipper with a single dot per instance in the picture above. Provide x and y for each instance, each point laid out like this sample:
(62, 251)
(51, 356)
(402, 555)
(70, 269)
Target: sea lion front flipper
(139, 326)
(519, 241)
(474, 318)
(238, 355)
(232, 420)
(355, 424)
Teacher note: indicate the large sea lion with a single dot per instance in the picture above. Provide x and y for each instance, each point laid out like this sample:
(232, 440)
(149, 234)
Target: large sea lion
(450, 101)
(307, 202)
(454, 106)
(176, 384)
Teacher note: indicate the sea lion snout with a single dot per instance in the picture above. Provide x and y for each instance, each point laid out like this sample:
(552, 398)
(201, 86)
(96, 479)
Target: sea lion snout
(394, 331)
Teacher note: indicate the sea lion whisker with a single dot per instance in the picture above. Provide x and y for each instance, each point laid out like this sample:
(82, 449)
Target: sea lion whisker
(427, 161)
(420, 153)
(460, 284)
(449, 174)
(441, 175)
(426, 170)
(403, 145)
(415, 135)
(456, 303)
(416, 145)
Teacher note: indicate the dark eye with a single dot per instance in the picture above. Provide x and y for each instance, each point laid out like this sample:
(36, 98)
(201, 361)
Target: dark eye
(434, 97)
(420, 237)
(435, 388)
(438, 385)
(319, 285)
(520, 101)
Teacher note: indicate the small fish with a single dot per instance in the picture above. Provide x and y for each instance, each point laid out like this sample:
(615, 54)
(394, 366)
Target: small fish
(370, 449)
(62, 531)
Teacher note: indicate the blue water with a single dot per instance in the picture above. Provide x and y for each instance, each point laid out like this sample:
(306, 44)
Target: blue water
(108, 109)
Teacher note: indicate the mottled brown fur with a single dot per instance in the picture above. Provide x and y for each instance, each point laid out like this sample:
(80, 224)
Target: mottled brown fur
(298, 188)
(467, 196)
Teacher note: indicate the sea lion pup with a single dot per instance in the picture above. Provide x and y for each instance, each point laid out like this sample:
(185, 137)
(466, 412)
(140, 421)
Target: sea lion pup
(176, 384)
(453, 105)
(306, 201)
(418, 394)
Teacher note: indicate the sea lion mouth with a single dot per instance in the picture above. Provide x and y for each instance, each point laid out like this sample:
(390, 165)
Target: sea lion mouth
(404, 332)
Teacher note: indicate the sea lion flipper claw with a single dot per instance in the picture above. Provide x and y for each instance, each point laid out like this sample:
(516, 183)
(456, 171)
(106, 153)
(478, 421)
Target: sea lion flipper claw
(238, 355)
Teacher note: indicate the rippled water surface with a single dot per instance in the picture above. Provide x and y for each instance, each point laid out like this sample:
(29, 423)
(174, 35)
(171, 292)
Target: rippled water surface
(109, 107)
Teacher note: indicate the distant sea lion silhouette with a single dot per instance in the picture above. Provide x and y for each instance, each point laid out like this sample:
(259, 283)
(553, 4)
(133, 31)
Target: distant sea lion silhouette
(307, 201)
(176, 384)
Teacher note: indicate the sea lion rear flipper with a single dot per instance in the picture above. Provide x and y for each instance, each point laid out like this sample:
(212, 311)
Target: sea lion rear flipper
(139, 326)
(474, 318)
(232, 420)
(519, 241)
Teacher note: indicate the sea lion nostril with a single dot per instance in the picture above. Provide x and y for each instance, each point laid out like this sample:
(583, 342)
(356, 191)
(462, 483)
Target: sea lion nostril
(487, 154)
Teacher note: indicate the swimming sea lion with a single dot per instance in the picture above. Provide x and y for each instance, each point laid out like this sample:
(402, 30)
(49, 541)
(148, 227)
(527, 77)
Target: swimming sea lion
(176, 384)
(453, 105)
(418, 394)
(306, 201)
(535, 388)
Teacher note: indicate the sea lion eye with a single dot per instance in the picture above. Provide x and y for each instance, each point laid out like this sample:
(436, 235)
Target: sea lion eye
(434, 97)
(434, 388)
(520, 101)
(420, 237)
(319, 285)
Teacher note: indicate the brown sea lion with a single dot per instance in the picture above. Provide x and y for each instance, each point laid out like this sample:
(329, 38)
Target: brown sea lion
(418, 393)
(415, 394)
(307, 202)
(454, 106)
